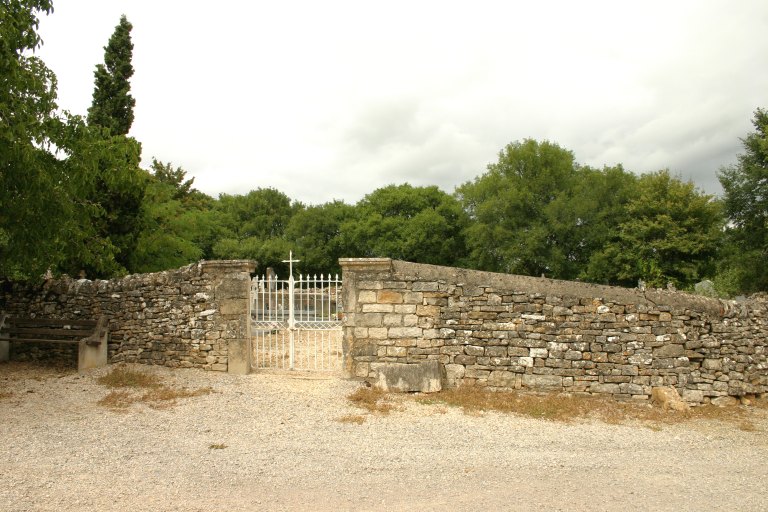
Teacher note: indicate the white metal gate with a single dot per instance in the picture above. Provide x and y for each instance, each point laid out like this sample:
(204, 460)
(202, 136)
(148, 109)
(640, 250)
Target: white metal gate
(296, 323)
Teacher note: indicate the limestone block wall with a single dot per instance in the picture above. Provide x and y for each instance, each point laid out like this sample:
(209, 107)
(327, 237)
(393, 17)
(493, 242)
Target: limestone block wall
(195, 316)
(511, 332)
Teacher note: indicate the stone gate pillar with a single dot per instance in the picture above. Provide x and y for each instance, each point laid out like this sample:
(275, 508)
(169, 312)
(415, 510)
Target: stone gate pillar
(232, 293)
(359, 273)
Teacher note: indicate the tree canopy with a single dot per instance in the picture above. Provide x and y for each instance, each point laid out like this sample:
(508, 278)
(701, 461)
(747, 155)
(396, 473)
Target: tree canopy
(120, 182)
(670, 233)
(421, 224)
(73, 197)
(112, 105)
(41, 215)
(511, 206)
(746, 206)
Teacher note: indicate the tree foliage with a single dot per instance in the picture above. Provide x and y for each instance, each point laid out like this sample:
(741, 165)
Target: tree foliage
(179, 225)
(254, 225)
(175, 178)
(42, 219)
(73, 196)
(315, 233)
(511, 206)
(422, 224)
(112, 105)
(746, 206)
(670, 234)
(120, 182)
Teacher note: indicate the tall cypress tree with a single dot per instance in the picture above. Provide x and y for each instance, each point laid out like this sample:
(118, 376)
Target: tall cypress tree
(112, 106)
(121, 183)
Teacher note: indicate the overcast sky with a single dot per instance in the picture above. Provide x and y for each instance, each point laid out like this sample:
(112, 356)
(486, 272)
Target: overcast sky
(332, 99)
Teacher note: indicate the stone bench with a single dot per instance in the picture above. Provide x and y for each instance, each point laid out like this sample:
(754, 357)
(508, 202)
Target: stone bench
(91, 336)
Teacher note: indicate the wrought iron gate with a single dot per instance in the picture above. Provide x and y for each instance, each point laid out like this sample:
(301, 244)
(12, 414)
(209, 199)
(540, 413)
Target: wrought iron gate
(296, 323)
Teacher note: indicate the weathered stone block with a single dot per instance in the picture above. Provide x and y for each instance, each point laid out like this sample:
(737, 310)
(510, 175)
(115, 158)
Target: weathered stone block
(377, 308)
(366, 297)
(404, 332)
(725, 401)
(472, 350)
(413, 298)
(424, 287)
(631, 389)
(454, 373)
(502, 379)
(392, 320)
(362, 370)
(366, 349)
(693, 396)
(233, 307)
(712, 364)
(573, 355)
(597, 387)
(369, 319)
(397, 351)
(423, 377)
(670, 350)
(410, 321)
(389, 297)
(542, 381)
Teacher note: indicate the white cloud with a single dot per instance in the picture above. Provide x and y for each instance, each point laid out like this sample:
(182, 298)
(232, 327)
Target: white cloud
(333, 99)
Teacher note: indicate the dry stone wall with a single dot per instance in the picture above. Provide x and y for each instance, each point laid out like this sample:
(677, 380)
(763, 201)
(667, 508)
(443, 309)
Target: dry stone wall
(196, 316)
(512, 332)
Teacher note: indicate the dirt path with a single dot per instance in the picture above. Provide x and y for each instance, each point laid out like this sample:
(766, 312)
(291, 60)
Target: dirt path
(270, 442)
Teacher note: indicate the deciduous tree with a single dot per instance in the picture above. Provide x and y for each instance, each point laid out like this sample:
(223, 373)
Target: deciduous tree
(511, 206)
(670, 234)
(421, 224)
(746, 206)
(315, 235)
(44, 219)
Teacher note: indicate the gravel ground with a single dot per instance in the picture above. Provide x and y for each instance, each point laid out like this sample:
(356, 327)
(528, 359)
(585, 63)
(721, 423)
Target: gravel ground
(285, 449)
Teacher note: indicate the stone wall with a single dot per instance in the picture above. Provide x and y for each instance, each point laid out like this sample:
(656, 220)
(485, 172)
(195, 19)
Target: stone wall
(196, 316)
(511, 332)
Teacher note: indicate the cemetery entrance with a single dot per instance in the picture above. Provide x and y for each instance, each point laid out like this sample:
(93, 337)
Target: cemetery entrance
(296, 323)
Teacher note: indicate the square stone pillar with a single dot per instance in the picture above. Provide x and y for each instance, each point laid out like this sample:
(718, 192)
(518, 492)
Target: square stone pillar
(355, 271)
(232, 294)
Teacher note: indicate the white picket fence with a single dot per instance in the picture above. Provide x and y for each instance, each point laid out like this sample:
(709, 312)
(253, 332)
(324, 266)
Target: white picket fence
(296, 323)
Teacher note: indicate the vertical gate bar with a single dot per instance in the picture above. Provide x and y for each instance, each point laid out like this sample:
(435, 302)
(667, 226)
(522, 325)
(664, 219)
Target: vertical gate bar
(329, 283)
(314, 296)
(324, 304)
(336, 297)
(322, 351)
(291, 318)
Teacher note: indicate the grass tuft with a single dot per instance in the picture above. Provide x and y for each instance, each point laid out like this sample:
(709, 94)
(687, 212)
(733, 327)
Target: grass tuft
(130, 383)
(566, 408)
(117, 400)
(358, 419)
(217, 446)
(372, 399)
(124, 377)
(164, 396)
(747, 426)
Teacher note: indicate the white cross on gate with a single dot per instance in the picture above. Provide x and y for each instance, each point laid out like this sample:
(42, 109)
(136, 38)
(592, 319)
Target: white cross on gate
(291, 318)
(290, 261)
